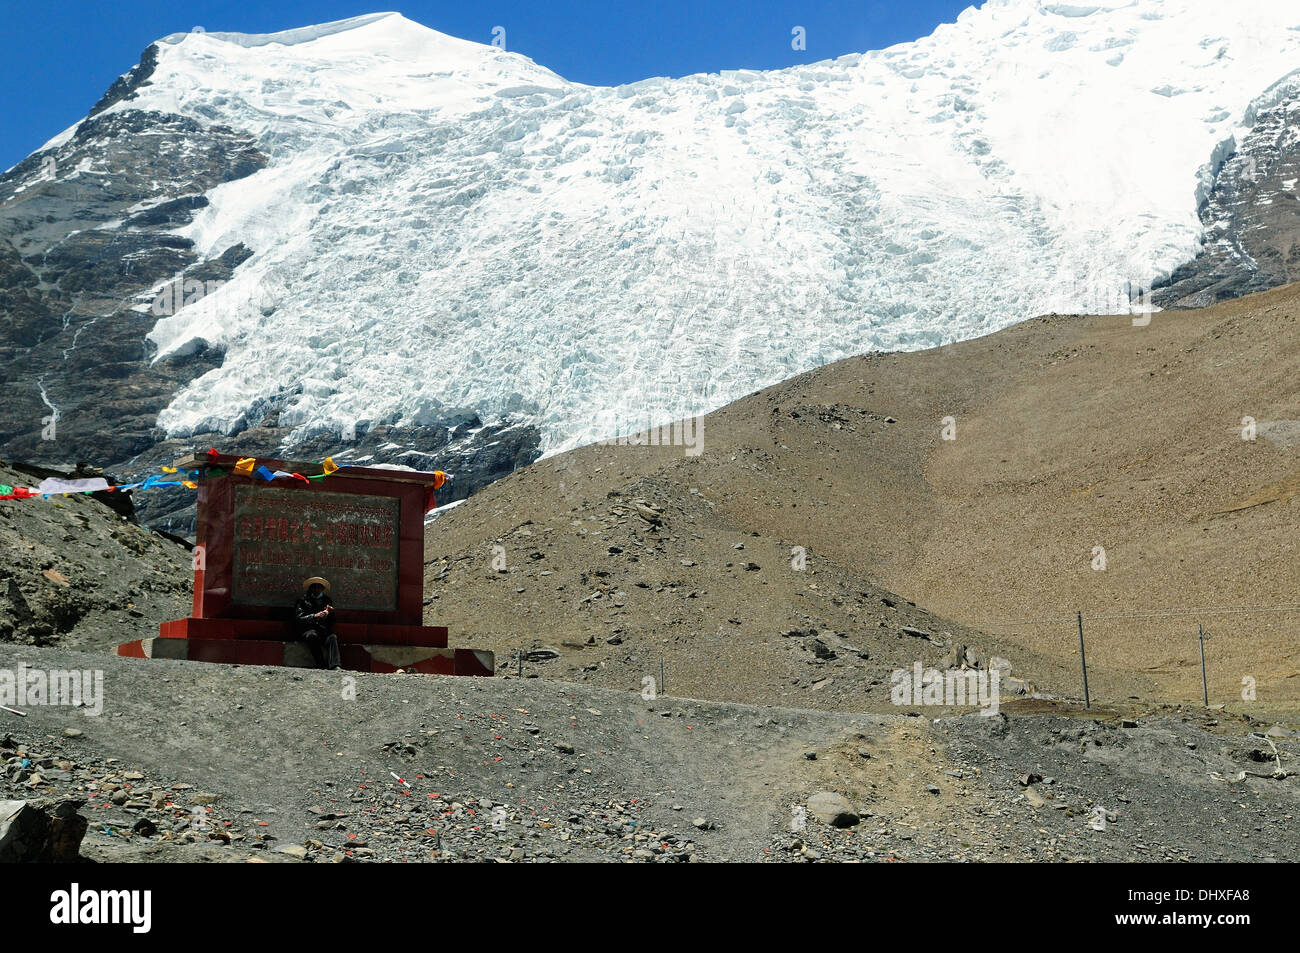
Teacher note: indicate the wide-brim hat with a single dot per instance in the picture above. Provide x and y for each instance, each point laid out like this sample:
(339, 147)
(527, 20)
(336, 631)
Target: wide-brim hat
(308, 583)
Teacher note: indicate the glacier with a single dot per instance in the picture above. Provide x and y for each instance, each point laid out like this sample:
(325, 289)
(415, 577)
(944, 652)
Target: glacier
(443, 223)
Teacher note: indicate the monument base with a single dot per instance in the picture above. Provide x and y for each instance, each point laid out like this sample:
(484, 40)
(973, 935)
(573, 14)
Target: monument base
(354, 656)
(363, 646)
(432, 636)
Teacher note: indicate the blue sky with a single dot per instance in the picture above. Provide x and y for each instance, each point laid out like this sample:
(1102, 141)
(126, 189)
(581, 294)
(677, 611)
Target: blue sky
(59, 58)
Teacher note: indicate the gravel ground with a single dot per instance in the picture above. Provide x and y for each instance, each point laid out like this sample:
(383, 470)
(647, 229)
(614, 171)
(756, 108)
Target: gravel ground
(208, 763)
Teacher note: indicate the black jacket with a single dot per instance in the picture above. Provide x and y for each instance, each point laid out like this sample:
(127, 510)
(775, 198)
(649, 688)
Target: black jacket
(306, 607)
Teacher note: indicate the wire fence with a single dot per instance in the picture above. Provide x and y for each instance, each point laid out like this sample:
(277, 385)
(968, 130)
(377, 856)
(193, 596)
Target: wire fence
(1144, 614)
(1212, 677)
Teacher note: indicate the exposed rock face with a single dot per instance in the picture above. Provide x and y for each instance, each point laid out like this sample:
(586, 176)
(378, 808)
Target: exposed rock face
(85, 234)
(87, 239)
(1251, 217)
(124, 86)
(41, 831)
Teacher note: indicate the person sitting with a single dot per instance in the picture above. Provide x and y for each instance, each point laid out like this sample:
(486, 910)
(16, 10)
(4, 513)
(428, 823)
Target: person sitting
(313, 617)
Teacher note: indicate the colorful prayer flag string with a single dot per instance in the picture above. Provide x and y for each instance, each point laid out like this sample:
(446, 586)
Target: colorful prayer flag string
(245, 466)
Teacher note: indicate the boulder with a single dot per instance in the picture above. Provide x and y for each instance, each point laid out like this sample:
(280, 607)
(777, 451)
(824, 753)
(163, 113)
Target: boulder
(960, 657)
(833, 809)
(44, 830)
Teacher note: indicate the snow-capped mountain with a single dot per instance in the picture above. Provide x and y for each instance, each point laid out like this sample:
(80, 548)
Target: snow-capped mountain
(426, 226)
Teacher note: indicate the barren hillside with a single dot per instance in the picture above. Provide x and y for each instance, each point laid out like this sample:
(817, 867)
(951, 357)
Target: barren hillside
(1071, 433)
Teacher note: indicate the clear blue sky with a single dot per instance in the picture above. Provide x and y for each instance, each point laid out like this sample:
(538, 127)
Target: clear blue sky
(60, 57)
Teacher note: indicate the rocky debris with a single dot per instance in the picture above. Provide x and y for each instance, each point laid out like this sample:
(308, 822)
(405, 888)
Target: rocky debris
(820, 649)
(627, 592)
(114, 804)
(654, 515)
(1097, 803)
(428, 822)
(960, 657)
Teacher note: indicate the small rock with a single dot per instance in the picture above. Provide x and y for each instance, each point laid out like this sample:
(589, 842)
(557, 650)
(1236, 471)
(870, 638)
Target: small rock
(53, 575)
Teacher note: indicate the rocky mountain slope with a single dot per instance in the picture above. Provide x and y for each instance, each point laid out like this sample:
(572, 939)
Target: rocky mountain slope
(78, 574)
(1252, 215)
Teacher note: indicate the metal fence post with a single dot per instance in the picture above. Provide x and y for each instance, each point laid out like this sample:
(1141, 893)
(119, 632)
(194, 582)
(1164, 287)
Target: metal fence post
(1205, 689)
(1083, 661)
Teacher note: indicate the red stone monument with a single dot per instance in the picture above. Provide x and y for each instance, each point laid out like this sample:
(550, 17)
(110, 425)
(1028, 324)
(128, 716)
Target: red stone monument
(362, 528)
